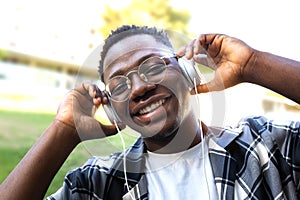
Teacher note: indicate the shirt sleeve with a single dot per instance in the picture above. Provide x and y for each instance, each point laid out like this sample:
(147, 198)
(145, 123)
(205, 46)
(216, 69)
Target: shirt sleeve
(86, 182)
(283, 135)
(267, 158)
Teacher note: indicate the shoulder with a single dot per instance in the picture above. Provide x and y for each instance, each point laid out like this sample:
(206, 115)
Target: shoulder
(86, 181)
(94, 168)
(252, 127)
(90, 179)
(262, 126)
(101, 166)
(261, 123)
(281, 132)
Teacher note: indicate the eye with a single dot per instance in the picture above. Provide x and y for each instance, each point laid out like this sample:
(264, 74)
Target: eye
(118, 85)
(154, 69)
(153, 66)
(120, 88)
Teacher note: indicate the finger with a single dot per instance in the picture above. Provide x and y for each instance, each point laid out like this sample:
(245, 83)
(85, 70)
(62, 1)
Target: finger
(93, 90)
(88, 88)
(82, 89)
(95, 93)
(190, 50)
(100, 93)
(181, 51)
(207, 87)
(85, 90)
(197, 45)
(97, 101)
(200, 89)
(201, 45)
(113, 129)
(89, 128)
(201, 59)
(206, 40)
(100, 99)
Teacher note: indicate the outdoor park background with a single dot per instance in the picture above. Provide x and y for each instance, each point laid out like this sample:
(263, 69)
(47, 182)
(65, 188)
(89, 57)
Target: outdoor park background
(45, 48)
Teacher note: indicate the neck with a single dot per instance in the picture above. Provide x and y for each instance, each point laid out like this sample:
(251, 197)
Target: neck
(183, 138)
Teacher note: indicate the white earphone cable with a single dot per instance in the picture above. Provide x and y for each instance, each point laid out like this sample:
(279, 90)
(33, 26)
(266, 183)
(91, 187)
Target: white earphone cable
(202, 137)
(124, 159)
(202, 146)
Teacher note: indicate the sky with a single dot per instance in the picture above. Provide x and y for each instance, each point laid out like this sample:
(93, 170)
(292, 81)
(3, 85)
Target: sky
(61, 29)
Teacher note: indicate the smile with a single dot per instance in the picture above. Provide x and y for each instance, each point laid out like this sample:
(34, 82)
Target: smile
(152, 107)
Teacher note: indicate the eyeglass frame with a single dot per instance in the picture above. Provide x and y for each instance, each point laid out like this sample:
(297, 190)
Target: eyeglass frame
(136, 69)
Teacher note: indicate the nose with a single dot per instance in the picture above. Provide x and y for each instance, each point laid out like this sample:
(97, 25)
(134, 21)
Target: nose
(139, 87)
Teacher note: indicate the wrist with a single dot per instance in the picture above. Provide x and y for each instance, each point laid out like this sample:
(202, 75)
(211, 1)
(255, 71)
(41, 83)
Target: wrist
(66, 131)
(250, 67)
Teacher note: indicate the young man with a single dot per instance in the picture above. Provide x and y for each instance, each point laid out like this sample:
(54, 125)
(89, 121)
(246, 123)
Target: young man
(147, 91)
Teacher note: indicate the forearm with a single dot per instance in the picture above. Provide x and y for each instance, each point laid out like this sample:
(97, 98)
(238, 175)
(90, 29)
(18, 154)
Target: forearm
(32, 176)
(279, 74)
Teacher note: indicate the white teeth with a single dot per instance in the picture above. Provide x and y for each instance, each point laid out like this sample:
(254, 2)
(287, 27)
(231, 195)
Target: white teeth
(152, 107)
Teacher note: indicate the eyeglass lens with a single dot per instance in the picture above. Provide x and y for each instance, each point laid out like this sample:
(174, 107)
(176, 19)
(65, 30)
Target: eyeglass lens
(152, 70)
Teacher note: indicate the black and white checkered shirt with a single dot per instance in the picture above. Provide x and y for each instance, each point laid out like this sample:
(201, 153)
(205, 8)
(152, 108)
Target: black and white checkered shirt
(260, 159)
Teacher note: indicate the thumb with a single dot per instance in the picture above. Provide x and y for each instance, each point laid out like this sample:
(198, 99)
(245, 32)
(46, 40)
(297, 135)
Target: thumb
(89, 128)
(206, 87)
(113, 128)
(200, 89)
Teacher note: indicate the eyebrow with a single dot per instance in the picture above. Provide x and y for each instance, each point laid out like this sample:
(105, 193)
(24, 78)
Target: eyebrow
(137, 63)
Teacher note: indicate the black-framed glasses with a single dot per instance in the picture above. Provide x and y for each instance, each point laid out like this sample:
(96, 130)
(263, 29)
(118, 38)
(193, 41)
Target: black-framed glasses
(152, 70)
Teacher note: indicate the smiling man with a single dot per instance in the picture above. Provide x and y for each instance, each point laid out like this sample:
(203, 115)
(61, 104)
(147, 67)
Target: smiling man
(177, 156)
(140, 81)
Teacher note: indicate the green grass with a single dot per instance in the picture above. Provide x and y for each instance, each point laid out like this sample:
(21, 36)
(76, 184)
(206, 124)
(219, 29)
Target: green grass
(20, 130)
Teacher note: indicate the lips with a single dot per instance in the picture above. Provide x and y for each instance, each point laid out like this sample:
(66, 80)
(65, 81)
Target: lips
(151, 112)
(152, 107)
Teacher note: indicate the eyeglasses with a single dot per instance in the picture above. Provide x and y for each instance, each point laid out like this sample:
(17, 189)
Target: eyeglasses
(152, 70)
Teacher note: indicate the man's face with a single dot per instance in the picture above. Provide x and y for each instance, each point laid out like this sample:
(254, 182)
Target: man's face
(151, 109)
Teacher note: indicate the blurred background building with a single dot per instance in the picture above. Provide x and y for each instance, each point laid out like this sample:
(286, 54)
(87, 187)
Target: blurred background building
(32, 83)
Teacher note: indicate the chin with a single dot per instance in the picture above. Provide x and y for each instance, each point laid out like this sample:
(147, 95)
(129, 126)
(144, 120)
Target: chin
(160, 133)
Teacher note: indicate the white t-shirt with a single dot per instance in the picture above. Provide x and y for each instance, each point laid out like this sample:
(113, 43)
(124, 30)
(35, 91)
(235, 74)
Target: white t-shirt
(185, 175)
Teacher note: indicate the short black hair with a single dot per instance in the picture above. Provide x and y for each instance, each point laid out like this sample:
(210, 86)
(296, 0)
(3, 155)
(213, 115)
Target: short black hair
(129, 30)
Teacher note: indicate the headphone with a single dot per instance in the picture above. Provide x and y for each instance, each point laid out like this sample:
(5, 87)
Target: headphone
(187, 67)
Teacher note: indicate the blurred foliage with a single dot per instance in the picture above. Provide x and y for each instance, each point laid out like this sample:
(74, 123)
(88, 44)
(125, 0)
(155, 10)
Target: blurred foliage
(147, 12)
(3, 54)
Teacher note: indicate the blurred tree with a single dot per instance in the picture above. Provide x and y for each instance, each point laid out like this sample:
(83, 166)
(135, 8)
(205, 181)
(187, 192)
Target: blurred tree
(3, 54)
(147, 12)
(157, 13)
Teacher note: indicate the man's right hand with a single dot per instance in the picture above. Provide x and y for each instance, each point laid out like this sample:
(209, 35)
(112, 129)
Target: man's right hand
(77, 111)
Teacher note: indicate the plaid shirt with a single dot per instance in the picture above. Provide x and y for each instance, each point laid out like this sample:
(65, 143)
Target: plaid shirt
(256, 160)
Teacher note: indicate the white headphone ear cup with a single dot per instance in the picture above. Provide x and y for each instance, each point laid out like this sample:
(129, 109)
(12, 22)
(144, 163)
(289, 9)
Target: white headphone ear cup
(190, 71)
(111, 113)
(108, 108)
